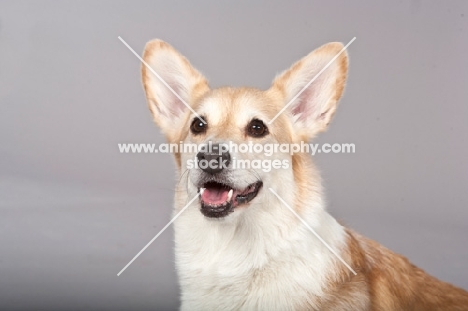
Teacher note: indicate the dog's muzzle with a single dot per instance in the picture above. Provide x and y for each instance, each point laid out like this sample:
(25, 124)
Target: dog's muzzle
(219, 199)
(213, 161)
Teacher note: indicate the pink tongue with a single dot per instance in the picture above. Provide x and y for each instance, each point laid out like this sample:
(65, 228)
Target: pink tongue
(215, 196)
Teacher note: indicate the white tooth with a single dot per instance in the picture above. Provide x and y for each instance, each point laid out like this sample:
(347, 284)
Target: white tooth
(201, 190)
(230, 195)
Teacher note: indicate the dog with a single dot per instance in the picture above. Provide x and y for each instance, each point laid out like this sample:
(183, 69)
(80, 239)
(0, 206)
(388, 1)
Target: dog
(237, 245)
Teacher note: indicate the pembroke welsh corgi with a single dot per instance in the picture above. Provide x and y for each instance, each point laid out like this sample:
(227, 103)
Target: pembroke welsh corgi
(238, 246)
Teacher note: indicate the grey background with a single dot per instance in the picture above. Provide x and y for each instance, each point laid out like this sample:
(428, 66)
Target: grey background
(74, 211)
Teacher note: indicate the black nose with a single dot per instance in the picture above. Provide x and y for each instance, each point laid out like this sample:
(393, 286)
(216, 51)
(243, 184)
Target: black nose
(213, 161)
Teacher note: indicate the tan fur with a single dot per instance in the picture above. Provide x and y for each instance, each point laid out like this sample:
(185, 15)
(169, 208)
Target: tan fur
(393, 283)
(384, 280)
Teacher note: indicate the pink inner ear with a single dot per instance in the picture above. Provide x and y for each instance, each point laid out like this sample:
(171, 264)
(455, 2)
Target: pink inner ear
(305, 106)
(173, 76)
(308, 106)
(176, 106)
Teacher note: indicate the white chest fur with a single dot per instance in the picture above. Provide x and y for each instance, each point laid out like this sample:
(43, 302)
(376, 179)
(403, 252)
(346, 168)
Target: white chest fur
(255, 261)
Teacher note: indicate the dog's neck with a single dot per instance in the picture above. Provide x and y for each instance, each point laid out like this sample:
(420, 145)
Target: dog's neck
(267, 220)
(265, 239)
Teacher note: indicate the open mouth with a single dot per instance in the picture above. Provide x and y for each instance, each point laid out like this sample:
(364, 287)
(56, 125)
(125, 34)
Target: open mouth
(218, 199)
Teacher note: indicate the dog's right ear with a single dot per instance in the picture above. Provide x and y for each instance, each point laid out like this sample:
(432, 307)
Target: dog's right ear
(170, 70)
(311, 90)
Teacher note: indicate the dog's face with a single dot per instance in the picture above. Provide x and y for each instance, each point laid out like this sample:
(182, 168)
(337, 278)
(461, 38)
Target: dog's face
(227, 178)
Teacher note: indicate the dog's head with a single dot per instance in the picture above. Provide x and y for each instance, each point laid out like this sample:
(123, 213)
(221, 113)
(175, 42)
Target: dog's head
(188, 111)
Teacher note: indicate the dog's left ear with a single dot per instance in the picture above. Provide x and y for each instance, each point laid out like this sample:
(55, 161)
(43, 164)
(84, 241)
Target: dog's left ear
(175, 75)
(313, 109)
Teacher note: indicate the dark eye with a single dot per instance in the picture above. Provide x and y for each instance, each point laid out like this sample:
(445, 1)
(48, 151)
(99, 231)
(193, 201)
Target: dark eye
(197, 126)
(257, 128)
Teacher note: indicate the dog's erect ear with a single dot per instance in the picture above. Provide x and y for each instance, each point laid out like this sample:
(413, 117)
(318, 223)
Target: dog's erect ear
(314, 108)
(175, 71)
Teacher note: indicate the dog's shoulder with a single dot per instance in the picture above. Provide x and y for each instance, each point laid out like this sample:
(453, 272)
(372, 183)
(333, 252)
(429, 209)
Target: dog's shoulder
(394, 283)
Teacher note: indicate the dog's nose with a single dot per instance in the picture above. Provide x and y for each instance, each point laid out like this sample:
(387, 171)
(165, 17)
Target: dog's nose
(213, 161)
